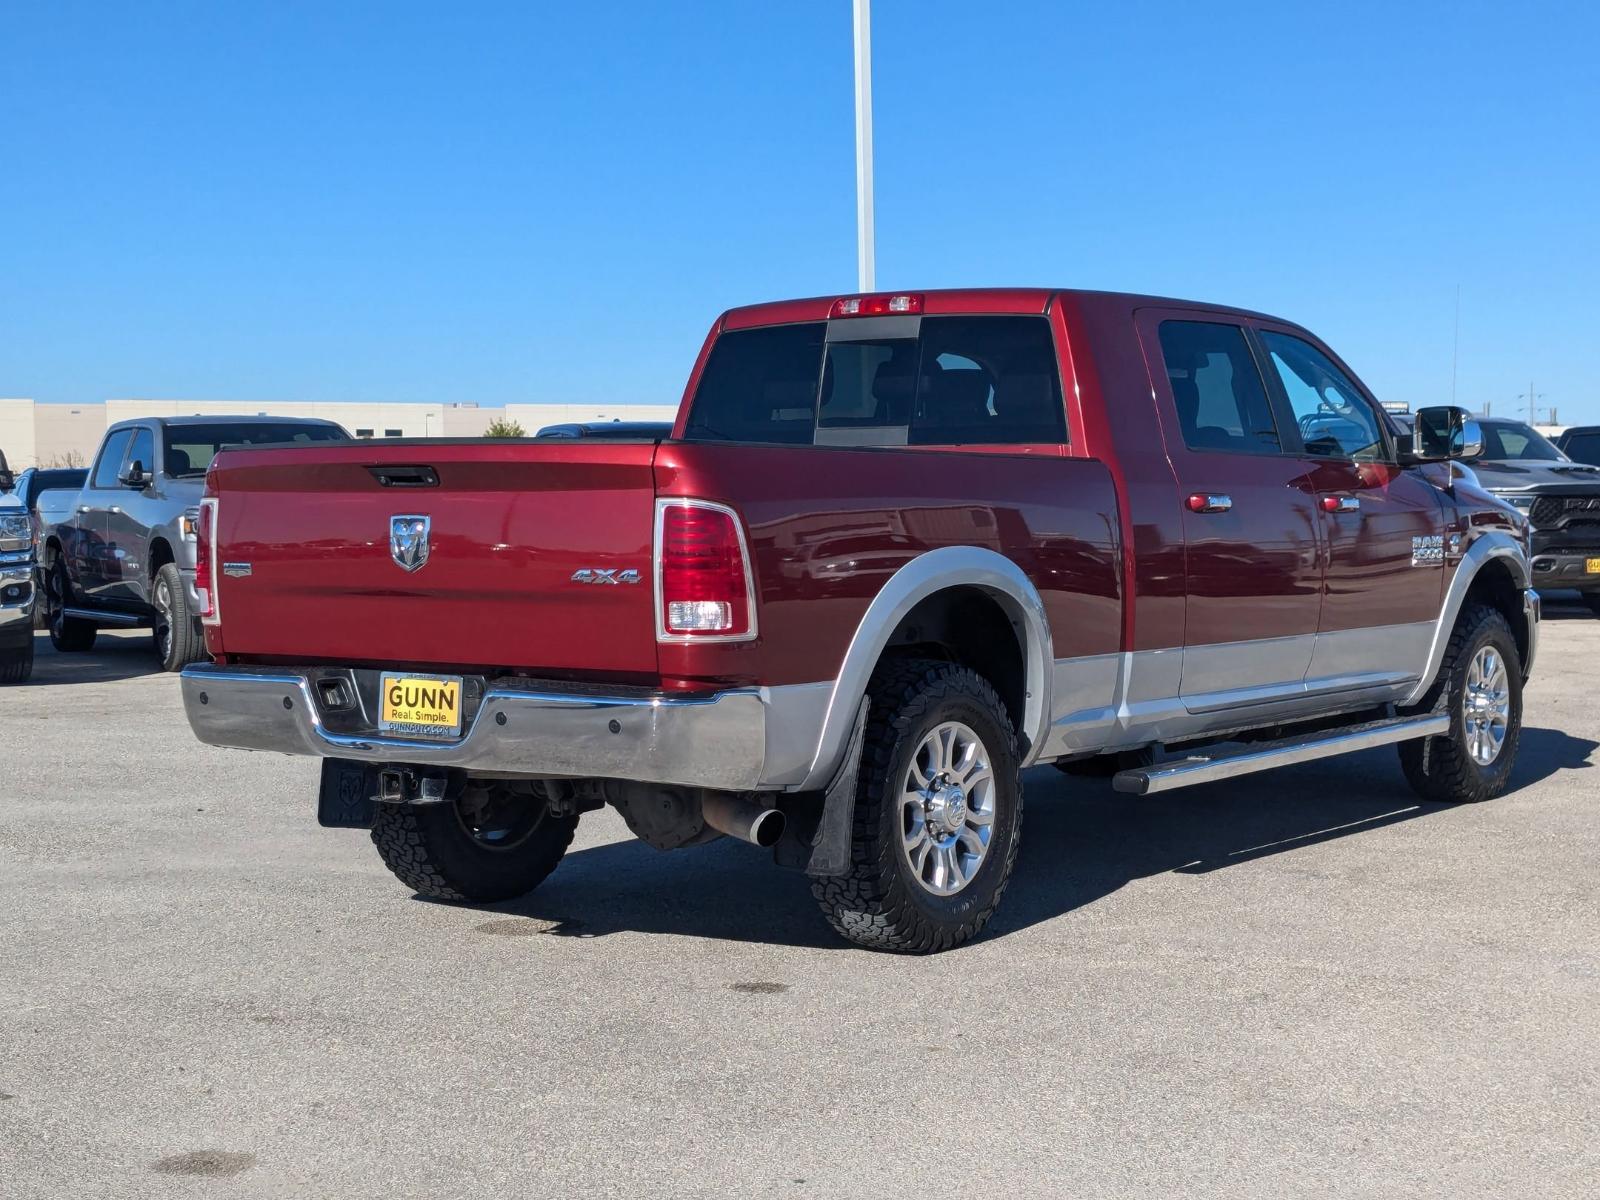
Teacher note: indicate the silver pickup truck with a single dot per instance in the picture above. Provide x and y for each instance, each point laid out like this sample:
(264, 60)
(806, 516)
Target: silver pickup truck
(123, 555)
(16, 582)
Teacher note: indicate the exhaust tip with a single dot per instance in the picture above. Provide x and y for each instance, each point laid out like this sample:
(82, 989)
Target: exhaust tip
(766, 829)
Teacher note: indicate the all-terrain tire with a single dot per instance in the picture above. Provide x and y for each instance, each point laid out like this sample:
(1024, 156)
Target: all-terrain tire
(1442, 769)
(68, 635)
(177, 635)
(880, 903)
(16, 666)
(430, 851)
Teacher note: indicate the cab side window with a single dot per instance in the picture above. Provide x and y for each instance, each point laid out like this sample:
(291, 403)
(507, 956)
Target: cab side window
(1335, 419)
(111, 456)
(1221, 402)
(143, 451)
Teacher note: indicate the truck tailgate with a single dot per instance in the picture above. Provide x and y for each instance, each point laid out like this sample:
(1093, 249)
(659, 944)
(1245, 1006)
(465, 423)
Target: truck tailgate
(306, 571)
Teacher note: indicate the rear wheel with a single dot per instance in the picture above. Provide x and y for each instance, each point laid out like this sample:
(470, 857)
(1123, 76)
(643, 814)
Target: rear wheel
(937, 813)
(178, 639)
(70, 635)
(1480, 688)
(493, 843)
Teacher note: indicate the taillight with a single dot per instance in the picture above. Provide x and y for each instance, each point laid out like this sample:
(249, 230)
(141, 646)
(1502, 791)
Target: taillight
(704, 590)
(205, 561)
(883, 305)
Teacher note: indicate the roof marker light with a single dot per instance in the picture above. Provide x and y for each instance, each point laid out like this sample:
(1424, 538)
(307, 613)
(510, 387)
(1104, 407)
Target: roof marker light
(884, 304)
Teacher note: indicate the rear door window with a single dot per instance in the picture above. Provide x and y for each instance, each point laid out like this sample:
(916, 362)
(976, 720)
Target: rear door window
(1216, 388)
(949, 381)
(760, 385)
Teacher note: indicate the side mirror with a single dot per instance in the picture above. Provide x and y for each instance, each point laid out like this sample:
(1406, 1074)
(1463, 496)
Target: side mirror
(1445, 432)
(8, 481)
(135, 476)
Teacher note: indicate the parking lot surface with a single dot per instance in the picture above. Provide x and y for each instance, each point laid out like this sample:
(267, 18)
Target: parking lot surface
(1294, 984)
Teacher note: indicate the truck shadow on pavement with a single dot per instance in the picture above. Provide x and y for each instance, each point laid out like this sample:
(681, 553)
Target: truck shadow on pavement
(115, 656)
(1081, 841)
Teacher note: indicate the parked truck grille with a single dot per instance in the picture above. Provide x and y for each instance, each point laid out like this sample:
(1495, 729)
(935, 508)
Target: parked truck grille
(1548, 511)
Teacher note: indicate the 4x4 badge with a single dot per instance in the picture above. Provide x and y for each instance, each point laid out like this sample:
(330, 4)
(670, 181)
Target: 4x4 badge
(408, 541)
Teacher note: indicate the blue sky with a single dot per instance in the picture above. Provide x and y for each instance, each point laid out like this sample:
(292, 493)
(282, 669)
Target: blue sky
(525, 202)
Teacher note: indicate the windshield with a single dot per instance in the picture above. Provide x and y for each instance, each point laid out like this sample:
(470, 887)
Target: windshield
(1512, 439)
(190, 448)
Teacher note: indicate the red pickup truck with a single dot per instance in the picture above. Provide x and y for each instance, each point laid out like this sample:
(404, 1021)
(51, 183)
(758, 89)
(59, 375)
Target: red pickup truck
(896, 549)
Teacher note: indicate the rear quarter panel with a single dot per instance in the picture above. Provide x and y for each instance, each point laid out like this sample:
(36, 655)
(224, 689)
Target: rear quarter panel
(828, 526)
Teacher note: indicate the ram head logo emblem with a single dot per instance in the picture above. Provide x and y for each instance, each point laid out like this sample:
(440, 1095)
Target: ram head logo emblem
(408, 541)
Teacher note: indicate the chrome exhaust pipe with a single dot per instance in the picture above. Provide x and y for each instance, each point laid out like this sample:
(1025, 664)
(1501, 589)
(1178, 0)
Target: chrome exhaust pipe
(738, 817)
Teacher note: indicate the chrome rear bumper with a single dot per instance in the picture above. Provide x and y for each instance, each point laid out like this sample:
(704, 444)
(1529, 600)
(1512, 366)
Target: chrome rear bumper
(719, 740)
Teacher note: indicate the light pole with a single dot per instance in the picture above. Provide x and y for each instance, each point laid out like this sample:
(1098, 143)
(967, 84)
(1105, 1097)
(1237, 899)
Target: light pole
(864, 249)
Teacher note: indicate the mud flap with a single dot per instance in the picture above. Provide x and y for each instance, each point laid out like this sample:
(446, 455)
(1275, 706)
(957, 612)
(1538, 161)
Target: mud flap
(830, 847)
(348, 797)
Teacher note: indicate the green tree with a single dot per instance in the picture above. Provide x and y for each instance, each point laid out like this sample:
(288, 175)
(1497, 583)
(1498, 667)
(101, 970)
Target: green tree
(500, 427)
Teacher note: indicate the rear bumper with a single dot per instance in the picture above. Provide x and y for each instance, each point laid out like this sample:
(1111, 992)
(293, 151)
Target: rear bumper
(747, 739)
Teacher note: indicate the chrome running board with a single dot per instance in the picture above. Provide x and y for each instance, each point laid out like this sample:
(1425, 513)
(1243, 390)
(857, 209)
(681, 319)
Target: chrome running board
(1204, 768)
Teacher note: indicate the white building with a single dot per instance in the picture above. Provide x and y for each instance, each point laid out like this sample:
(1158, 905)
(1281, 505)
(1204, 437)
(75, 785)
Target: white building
(34, 434)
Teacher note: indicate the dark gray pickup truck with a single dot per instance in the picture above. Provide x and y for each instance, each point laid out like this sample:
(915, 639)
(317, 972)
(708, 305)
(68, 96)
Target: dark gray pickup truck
(1560, 497)
(123, 555)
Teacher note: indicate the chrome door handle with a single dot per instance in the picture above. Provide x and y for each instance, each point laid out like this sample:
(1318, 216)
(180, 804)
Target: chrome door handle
(1209, 502)
(84, 508)
(114, 508)
(1341, 504)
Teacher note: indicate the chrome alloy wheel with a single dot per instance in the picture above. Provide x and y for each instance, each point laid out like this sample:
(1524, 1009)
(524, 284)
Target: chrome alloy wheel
(163, 629)
(1486, 706)
(947, 808)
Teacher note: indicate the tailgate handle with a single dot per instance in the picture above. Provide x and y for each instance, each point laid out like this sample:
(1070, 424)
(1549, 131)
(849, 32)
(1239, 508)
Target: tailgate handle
(405, 477)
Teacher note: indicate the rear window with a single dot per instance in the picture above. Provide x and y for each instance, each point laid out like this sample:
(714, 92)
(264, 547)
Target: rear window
(956, 381)
(190, 448)
(1584, 448)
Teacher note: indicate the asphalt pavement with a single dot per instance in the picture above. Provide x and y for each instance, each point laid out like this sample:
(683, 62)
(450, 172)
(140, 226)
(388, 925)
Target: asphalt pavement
(1294, 984)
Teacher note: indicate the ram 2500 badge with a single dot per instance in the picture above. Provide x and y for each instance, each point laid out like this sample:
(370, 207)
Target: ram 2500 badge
(896, 549)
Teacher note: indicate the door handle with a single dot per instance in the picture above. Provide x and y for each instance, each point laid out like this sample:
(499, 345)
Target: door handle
(1341, 504)
(83, 508)
(114, 508)
(1209, 502)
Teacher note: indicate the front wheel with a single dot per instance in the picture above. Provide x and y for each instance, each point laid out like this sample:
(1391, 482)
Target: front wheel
(938, 810)
(1480, 688)
(493, 843)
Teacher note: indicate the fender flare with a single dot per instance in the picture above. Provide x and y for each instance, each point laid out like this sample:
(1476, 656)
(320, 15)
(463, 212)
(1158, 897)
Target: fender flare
(927, 574)
(1489, 546)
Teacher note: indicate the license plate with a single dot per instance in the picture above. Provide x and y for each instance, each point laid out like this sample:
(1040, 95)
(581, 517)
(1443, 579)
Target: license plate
(425, 706)
(1592, 566)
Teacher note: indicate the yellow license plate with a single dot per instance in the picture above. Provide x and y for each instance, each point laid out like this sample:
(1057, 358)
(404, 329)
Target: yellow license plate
(1592, 566)
(421, 706)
